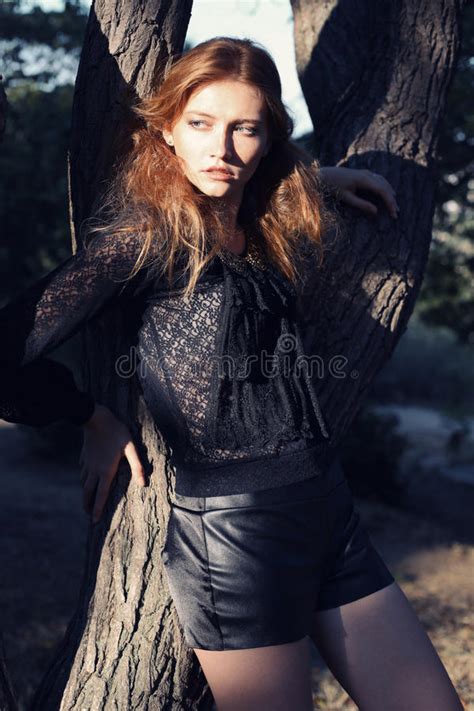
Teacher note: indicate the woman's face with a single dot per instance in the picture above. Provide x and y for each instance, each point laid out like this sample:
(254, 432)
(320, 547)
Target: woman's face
(223, 125)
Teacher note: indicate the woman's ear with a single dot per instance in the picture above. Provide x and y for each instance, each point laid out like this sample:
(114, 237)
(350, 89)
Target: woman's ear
(168, 137)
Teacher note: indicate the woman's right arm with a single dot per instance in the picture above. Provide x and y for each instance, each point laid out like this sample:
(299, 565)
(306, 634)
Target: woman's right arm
(35, 390)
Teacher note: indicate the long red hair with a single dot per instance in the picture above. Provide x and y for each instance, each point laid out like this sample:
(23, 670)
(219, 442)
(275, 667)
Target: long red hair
(149, 193)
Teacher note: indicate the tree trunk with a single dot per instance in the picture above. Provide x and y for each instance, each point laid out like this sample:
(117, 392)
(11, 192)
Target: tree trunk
(123, 647)
(375, 81)
(375, 77)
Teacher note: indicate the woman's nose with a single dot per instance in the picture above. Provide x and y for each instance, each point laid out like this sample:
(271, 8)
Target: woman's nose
(222, 146)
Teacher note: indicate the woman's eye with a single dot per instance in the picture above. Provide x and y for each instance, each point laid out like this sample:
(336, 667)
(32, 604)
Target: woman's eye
(252, 131)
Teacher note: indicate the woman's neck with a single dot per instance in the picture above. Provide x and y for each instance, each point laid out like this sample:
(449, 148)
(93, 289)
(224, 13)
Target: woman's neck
(236, 239)
(237, 243)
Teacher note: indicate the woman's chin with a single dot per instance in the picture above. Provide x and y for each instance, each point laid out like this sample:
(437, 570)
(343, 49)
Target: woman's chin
(217, 190)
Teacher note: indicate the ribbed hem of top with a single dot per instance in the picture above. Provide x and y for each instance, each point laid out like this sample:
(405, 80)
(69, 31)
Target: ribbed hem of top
(239, 476)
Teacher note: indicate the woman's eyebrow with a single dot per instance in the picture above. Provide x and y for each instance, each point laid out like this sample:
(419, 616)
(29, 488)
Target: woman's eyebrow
(239, 120)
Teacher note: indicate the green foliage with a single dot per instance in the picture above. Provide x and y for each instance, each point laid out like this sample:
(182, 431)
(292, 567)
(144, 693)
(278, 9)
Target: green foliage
(447, 293)
(63, 29)
(33, 195)
(33, 155)
(429, 367)
(456, 138)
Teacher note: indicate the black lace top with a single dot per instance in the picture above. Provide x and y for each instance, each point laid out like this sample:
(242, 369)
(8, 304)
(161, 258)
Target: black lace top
(224, 375)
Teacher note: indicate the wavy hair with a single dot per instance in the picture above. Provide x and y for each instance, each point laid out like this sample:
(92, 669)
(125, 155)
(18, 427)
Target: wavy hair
(282, 203)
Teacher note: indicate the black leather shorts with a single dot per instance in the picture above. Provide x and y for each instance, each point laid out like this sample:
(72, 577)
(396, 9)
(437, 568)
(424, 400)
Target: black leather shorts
(249, 570)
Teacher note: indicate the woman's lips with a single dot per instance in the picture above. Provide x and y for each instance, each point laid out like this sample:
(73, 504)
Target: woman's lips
(219, 174)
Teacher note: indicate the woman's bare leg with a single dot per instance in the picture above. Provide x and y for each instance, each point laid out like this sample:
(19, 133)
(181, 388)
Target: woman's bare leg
(378, 650)
(273, 678)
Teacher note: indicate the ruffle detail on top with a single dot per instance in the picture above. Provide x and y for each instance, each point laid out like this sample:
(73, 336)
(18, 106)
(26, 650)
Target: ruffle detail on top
(263, 392)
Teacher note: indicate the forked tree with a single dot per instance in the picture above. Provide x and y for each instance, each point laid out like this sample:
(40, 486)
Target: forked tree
(375, 77)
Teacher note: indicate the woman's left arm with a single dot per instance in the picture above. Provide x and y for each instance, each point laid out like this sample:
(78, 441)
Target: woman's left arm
(347, 181)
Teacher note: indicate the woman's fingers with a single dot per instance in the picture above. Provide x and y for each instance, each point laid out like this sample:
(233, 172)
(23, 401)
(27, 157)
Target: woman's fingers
(97, 484)
(138, 473)
(101, 496)
(380, 185)
(347, 181)
(356, 201)
(96, 492)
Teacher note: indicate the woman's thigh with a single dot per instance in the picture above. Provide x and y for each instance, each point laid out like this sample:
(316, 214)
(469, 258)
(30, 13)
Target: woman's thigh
(380, 653)
(271, 678)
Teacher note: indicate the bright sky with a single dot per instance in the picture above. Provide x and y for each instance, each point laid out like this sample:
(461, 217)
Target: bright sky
(269, 22)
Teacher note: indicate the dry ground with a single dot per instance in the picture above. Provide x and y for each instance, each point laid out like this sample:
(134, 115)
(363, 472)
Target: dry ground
(436, 573)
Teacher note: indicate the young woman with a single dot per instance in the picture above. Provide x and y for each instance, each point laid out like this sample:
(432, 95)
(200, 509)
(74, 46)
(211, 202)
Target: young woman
(207, 220)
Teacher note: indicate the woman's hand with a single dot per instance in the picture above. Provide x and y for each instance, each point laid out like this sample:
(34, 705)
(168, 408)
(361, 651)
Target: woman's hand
(106, 441)
(346, 182)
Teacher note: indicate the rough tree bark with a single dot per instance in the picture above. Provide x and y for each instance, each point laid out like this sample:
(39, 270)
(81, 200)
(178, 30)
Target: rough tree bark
(123, 648)
(375, 77)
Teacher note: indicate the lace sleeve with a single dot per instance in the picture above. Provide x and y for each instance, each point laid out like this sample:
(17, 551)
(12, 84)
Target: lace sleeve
(35, 390)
